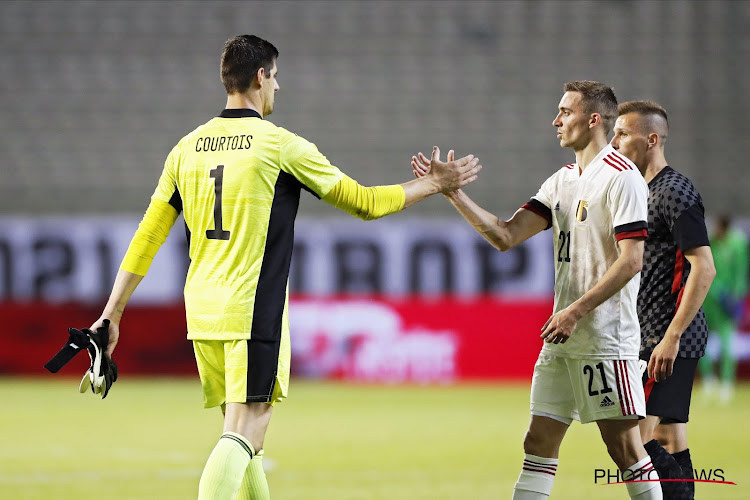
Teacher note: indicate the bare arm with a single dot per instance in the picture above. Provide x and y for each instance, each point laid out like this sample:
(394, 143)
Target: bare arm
(503, 235)
(560, 325)
(151, 234)
(125, 284)
(702, 272)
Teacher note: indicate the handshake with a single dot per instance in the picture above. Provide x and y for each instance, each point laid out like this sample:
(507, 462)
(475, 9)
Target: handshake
(103, 371)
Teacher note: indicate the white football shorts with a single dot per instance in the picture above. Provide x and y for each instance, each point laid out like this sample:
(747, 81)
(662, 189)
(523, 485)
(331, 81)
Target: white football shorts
(587, 390)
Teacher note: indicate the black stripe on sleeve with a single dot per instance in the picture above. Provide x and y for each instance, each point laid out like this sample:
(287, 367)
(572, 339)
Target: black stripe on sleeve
(540, 209)
(689, 230)
(637, 229)
(631, 226)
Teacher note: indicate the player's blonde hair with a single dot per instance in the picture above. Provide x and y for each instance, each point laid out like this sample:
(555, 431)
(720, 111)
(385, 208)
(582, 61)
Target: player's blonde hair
(642, 108)
(653, 117)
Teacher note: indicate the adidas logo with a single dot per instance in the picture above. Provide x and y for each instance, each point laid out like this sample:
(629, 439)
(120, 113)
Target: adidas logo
(557, 207)
(606, 402)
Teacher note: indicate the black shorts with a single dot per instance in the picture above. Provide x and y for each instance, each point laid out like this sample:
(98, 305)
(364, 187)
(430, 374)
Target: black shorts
(670, 398)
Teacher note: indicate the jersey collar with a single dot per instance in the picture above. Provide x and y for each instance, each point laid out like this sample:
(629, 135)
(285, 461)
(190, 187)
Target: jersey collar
(240, 113)
(595, 163)
(661, 173)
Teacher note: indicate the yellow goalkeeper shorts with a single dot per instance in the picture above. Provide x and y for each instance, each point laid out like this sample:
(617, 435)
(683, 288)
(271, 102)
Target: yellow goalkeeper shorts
(239, 371)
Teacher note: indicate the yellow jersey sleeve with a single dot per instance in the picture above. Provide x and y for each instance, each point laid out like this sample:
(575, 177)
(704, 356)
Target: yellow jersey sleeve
(159, 218)
(302, 159)
(167, 187)
(151, 234)
(367, 203)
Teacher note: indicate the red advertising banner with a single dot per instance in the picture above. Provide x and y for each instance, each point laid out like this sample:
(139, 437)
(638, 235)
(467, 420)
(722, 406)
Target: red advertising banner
(373, 340)
(369, 340)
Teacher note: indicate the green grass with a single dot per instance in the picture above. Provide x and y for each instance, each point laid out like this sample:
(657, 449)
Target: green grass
(150, 438)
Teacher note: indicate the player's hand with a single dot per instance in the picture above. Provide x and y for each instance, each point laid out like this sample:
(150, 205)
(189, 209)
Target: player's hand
(420, 164)
(559, 327)
(452, 175)
(661, 363)
(114, 333)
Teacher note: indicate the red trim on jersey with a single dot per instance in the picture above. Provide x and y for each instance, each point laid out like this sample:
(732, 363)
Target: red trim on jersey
(641, 233)
(611, 164)
(679, 267)
(570, 166)
(619, 389)
(649, 387)
(620, 160)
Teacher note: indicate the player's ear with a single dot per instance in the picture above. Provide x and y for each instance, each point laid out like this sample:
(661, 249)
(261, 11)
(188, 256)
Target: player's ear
(594, 119)
(260, 75)
(653, 139)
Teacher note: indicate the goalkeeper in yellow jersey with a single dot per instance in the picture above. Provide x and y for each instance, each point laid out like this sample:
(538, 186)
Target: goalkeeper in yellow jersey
(237, 179)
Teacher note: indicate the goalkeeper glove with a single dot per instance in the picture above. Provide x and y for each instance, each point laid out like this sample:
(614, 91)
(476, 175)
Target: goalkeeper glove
(103, 371)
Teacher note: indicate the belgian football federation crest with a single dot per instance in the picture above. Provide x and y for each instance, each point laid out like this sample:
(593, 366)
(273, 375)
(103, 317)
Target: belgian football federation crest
(582, 211)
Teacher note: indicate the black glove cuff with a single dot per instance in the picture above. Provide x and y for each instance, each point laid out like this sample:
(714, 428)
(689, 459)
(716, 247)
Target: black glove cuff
(77, 342)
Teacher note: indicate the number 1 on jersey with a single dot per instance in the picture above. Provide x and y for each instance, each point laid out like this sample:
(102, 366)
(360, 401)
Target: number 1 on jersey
(218, 232)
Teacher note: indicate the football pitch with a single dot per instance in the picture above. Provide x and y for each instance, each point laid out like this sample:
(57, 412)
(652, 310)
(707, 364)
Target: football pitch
(150, 438)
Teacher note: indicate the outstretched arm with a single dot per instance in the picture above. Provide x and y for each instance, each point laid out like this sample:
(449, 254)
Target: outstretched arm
(503, 235)
(369, 203)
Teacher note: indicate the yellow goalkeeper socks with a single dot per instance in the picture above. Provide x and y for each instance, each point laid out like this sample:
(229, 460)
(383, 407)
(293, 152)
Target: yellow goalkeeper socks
(254, 484)
(225, 468)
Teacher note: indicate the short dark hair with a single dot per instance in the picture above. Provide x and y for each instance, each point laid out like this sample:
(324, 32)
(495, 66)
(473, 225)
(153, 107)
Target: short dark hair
(242, 57)
(596, 98)
(642, 108)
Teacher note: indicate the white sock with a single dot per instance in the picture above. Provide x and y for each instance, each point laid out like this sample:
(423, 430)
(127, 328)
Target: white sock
(642, 489)
(536, 478)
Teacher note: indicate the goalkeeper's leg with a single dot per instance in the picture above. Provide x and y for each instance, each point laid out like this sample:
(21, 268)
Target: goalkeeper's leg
(254, 484)
(245, 427)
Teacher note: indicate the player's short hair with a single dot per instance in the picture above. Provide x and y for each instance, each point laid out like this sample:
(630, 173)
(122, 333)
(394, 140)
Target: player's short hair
(596, 98)
(242, 57)
(646, 108)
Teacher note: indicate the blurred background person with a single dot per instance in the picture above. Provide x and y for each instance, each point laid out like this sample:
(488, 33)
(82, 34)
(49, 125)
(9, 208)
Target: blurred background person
(725, 303)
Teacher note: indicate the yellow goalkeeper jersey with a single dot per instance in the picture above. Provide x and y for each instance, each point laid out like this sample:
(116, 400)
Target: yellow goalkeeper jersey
(237, 179)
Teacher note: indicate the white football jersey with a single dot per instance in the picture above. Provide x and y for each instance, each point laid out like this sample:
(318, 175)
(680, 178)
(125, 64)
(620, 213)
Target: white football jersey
(589, 213)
